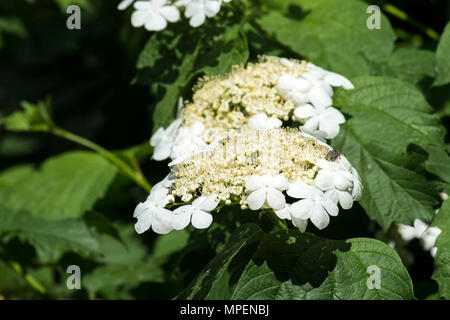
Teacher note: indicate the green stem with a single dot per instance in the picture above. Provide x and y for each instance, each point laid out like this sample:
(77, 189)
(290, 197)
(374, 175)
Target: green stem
(35, 284)
(135, 175)
(272, 216)
(400, 14)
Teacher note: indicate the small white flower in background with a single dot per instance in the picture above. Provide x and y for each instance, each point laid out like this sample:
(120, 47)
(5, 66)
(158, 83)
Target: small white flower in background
(420, 230)
(154, 14)
(124, 4)
(286, 213)
(322, 119)
(197, 10)
(188, 140)
(163, 140)
(261, 121)
(336, 181)
(152, 213)
(266, 190)
(198, 213)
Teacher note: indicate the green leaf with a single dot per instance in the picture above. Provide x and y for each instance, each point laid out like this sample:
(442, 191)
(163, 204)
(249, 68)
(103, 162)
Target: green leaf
(303, 266)
(173, 58)
(218, 277)
(442, 259)
(438, 162)
(34, 117)
(442, 58)
(50, 238)
(411, 64)
(388, 115)
(64, 187)
(332, 34)
(170, 243)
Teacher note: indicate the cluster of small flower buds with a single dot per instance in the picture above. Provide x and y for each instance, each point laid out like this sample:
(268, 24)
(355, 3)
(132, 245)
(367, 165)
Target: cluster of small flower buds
(154, 15)
(286, 170)
(272, 93)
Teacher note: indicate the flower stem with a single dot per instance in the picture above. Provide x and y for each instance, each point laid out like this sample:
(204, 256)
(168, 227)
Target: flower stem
(272, 216)
(135, 175)
(400, 14)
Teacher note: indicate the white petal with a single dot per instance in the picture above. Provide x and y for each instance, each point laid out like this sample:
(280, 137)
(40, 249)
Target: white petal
(256, 199)
(273, 123)
(331, 207)
(138, 18)
(207, 204)
(406, 232)
(300, 224)
(334, 115)
(212, 8)
(299, 98)
(300, 190)
(319, 217)
(144, 222)
(305, 112)
(324, 179)
(201, 219)
(312, 124)
(336, 80)
(284, 213)
(302, 209)
(162, 151)
(171, 13)
(330, 127)
(181, 217)
(319, 97)
(254, 182)
(158, 194)
(162, 221)
(123, 5)
(197, 19)
(257, 121)
(155, 22)
(275, 199)
(278, 182)
(345, 200)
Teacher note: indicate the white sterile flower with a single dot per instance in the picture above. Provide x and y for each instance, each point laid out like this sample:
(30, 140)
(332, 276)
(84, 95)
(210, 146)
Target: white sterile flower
(188, 140)
(336, 181)
(124, 4)
(198, 10)
(163, 141)
(295, 89)
(286, 213)
(261, 121)
(331, 78)
(319, 118)
(152, 213)
(154, 14)
(198, 213)
(315, 205)
(420, 230)
(266, 190)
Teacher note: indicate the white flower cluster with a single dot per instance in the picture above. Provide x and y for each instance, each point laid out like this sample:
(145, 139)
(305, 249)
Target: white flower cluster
(154, 15)
(263, 96)
(305, 169)
(420, 230)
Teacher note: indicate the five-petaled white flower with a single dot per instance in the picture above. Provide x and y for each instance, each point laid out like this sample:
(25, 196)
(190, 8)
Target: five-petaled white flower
(163, 140)
(331, 78)
(336, 181)
(261, 121)
(315, 205)
(152, 213)
(266, 191)
(197, 10)
(198, 213)
(154, 14)
(320, 119)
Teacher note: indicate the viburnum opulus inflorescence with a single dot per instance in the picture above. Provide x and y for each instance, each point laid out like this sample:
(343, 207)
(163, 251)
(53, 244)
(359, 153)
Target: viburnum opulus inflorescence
(274, 92)
(284, 169)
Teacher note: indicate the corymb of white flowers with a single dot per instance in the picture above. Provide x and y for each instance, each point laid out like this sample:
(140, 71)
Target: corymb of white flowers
(285, 171)
(154, 15)
(274, 92)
